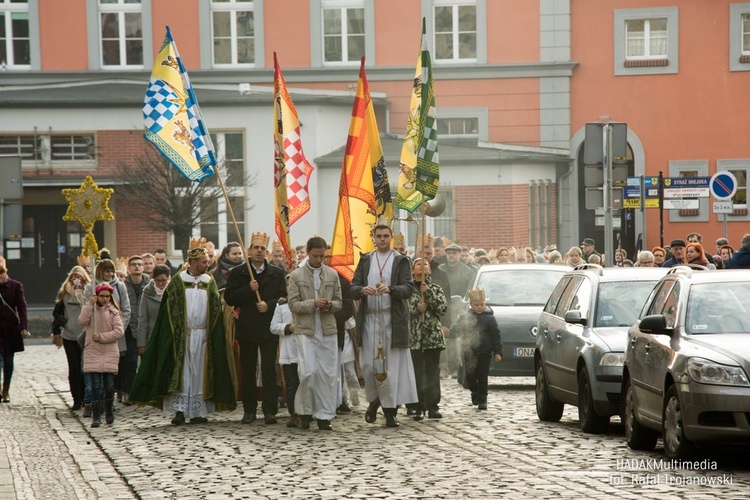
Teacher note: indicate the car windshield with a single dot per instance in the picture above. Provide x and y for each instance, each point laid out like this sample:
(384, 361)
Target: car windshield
(620, 302)
(718, 308)
(518, 287)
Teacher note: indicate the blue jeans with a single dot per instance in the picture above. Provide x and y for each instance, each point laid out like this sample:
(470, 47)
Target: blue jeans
(99, 386)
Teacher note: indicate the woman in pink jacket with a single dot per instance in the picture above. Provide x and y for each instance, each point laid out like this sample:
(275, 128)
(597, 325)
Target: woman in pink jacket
(101, 355)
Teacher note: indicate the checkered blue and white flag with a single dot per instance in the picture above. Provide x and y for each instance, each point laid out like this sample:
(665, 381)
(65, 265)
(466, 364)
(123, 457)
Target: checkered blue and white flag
(172, 117)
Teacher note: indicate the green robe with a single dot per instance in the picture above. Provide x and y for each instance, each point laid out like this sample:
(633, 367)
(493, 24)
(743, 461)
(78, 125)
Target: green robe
(163, 363)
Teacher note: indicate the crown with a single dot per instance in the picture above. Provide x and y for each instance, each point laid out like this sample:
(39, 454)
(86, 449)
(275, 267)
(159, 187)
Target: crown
(277, 245)
(398, 240)
(429, 240)
(385, 220)
(476, 294)
(196, 253)
(197, 243)
(259, 239)
(447, 241)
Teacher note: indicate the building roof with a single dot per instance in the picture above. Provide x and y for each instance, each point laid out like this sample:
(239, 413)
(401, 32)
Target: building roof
(113, 92)
(458, 151)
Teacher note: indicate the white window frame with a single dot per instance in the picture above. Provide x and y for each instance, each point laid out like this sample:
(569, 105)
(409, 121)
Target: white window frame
(233, 7)
(677, 168)
(222, 220)
(343, 6)
(736, 52)
(455, 4)
(9, 9)
(647, 37)
(621, 16)
(42, 151)
(744, 50)
(481, 114)
(121, 8)
(734, 165)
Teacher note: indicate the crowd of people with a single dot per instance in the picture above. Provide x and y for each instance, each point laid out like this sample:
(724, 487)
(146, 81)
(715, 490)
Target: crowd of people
(217, 330)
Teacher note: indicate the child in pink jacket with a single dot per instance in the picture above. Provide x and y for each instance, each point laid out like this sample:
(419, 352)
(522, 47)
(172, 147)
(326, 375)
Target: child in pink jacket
(101, 355)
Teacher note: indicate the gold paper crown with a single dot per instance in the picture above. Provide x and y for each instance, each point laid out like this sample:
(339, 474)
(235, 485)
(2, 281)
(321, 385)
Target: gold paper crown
(398, 240)
(197, 243)
(428, 238)
(476, 294)
(385, 220)
(259, 239)
(197, 253)
(277, 245)
(447, 241)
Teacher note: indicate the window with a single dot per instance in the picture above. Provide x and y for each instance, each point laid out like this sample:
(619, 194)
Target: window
(121, 33)
(215, 223)
(646, 41)
(51, 149)
(646, 38)
(343, 32)
(15, 42)
(739, 37)
(458, 127)
(455, 28)
(233, 32)
(690, 168)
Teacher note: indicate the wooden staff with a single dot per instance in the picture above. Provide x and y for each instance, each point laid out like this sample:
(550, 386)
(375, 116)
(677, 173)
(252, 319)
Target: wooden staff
(237, 230)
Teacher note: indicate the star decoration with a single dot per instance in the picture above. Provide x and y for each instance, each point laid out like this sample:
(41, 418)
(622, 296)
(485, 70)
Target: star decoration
(88, 204)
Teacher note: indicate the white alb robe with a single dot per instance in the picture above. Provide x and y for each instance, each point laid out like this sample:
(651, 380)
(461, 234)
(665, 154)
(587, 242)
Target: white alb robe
(190, 401)
(317, 367)
(400, 387)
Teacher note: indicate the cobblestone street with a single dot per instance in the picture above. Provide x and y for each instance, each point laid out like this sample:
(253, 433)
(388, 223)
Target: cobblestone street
(50, 452)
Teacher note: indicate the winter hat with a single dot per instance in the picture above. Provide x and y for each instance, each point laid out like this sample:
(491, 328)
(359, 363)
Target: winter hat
(103, 286)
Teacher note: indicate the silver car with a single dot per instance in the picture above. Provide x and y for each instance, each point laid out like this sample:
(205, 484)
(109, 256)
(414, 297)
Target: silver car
(687, 363)
(516, 293)
(580, 346)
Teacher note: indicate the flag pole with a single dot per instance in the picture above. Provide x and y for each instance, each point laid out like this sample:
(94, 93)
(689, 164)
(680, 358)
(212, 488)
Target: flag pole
(236, 228)
(424, 230)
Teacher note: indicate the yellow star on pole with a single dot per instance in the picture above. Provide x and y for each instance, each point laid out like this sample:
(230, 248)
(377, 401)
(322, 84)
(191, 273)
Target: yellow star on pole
(88, 204)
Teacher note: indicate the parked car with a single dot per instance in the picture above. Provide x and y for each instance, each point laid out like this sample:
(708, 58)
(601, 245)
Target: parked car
(580, 346)
(516, 293)
(687, 363)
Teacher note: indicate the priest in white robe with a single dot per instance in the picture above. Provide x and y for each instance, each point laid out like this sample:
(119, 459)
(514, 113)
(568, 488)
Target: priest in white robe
(383, 280)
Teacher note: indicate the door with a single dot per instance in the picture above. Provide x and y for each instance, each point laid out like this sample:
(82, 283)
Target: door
(48, 249)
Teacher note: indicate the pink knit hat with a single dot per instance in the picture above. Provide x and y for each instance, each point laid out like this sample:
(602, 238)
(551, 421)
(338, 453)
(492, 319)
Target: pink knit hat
(103, 286)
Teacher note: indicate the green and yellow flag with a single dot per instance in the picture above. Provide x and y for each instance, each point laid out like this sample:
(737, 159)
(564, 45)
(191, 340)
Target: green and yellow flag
(419, 172)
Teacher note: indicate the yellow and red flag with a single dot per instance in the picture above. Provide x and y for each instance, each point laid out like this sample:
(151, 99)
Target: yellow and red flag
(364, 190)
(290, 167)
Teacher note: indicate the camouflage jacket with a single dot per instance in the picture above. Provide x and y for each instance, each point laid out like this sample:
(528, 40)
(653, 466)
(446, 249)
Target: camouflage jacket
(427, 334)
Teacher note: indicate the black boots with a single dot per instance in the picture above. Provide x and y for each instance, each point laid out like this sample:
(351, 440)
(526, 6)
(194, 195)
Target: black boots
(96, 407)
(390, 417)
(371, 415)
(109, 411)
(482, 401)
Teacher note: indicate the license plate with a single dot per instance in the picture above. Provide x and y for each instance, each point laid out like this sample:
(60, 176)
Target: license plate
(523, 352)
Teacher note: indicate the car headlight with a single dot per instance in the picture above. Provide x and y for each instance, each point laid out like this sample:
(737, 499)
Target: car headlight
(704, 371)
(612, 359)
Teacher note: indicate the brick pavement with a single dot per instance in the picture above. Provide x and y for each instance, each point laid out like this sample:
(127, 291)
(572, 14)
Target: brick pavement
(505, 451)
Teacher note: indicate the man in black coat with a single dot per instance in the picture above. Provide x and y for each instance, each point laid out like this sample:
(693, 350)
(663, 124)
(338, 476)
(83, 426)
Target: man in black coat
(256, 298)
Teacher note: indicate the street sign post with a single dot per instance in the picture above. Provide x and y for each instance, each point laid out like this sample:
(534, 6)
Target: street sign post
(723, 186)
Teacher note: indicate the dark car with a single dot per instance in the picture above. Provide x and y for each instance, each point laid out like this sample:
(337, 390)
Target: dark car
(516, 293)
(687, 363)
(580, 346)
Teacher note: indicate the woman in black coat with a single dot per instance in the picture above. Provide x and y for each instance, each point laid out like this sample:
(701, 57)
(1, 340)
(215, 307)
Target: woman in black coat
(14, 325)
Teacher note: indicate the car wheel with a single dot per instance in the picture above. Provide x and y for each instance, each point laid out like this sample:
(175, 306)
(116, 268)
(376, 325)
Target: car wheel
(637, 436)
(547, 409)
(589, 420)
(676, 444)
